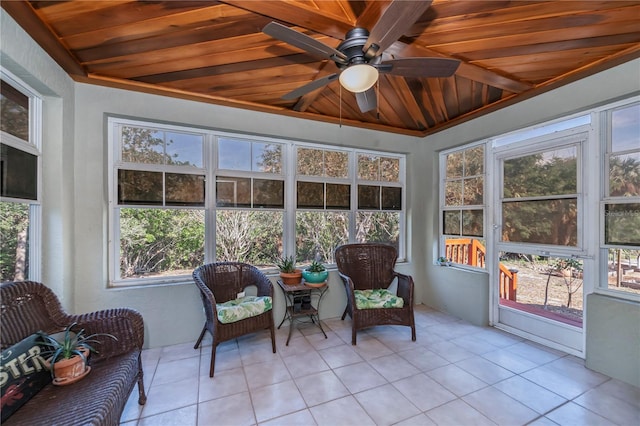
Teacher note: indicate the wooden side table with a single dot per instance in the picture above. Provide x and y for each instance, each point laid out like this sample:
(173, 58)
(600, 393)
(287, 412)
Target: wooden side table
(299, 307)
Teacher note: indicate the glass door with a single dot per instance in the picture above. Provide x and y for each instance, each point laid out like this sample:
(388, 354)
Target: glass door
(539, 238)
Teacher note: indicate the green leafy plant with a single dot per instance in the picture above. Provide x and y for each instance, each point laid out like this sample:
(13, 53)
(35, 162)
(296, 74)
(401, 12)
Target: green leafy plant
(316, 267)
(286, 264)
(70, 344)
(442, 259)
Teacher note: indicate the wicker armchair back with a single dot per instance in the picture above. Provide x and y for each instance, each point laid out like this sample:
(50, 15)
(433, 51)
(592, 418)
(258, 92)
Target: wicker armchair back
(221, 282)
(366, 266)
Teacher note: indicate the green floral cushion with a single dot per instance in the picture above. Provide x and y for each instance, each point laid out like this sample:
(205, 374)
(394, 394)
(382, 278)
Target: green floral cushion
(244, 307)
(377, 298)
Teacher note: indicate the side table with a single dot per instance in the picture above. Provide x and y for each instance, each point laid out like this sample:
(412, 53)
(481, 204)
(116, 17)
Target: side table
(299, 307)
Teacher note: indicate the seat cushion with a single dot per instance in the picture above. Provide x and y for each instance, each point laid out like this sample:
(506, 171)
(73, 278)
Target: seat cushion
(244, 307)
(377, 298)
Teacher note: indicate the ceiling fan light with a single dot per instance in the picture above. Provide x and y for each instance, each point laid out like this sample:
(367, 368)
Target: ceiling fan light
(359, 78)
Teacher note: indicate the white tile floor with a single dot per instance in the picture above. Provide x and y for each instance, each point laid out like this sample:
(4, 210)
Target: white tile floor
(454, 374)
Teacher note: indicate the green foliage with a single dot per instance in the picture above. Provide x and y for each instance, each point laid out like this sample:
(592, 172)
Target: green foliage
(316, 267)
(71, 344)
(14, 223)
(567, 265)
(154, 241)
(286, 264)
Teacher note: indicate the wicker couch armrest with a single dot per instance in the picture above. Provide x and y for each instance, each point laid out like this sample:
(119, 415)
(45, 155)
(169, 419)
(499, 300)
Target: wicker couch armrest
(124, 323)
(405, 287)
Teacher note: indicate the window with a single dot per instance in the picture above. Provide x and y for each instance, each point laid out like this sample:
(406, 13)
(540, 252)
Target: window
(621, 202)
(250, 199)
(379, 198)
(159, 208)
(182, 197)
(323, 202)
(462, 206)
(20, 159)
(540, 198)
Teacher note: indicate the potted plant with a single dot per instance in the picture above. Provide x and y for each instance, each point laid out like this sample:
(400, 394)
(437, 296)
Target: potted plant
(289, 274)
(69, 352)
(315, 273)
(443, 261)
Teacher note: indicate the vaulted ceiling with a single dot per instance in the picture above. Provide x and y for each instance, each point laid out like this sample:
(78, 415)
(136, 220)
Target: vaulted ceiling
(216, 51)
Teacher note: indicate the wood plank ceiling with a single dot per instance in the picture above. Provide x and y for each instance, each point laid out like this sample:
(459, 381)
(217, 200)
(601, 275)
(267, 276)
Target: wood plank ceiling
(215, 51)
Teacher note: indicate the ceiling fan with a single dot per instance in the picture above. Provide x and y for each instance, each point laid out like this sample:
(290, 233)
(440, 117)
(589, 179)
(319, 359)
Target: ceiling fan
(359, 55)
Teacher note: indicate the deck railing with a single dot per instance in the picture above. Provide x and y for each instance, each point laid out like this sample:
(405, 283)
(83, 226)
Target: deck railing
(468, 251)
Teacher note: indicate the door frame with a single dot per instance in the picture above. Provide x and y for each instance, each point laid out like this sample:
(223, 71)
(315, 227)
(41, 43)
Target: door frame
(543, 330)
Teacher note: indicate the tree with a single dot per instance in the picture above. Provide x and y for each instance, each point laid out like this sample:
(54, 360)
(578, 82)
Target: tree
(14, 223)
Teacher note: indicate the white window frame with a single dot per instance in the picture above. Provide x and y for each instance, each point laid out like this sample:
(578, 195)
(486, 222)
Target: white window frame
(34, 147)
(211, 170)
(603, 116)
(442, 207)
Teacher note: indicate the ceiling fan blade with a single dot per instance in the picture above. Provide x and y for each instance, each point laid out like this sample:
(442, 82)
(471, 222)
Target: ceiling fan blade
(367, 100)
(420, 67)
(310, 87)
(397, 18)
(303, 42)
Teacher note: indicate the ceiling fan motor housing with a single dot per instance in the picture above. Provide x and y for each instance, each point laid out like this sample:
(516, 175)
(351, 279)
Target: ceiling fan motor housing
(352, 47)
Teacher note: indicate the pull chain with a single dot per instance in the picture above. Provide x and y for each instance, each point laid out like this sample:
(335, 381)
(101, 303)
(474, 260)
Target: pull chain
(340, 106)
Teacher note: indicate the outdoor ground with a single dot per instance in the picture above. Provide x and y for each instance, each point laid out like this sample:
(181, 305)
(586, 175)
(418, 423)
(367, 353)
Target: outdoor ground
(532, 281)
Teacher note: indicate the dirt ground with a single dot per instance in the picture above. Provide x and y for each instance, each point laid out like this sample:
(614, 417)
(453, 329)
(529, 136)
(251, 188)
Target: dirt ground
(532, 281)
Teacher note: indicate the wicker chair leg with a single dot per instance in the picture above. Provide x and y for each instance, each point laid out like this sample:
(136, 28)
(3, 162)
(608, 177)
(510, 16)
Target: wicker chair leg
(353, 335)
(344, 314)
(273, 337)
(213, 359)
(142, 396)
(204, 330)
(413, 332)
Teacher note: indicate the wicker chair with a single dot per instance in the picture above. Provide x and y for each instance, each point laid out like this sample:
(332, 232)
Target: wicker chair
(368, 266)
(99, 398)
(221, 282)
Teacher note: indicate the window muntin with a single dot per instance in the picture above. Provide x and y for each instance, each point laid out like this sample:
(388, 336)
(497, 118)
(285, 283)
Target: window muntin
(462, 205)
(20, 170)
(241, 185)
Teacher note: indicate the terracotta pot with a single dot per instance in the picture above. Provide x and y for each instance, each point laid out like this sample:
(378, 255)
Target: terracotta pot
(70, 370)
(292, 278)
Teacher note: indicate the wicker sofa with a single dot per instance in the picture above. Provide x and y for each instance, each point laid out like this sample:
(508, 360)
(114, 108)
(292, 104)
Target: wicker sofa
(100, 397)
